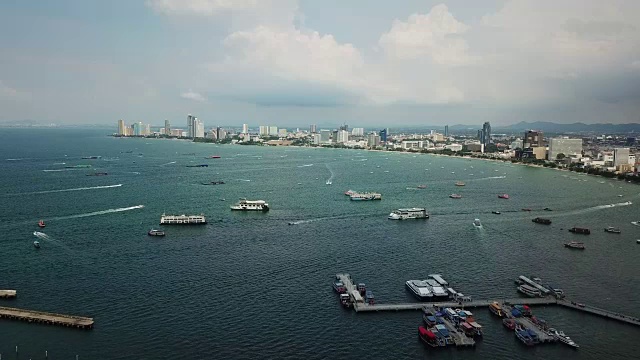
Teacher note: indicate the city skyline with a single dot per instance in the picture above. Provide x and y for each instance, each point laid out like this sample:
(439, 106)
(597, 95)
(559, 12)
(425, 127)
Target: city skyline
(418, 62)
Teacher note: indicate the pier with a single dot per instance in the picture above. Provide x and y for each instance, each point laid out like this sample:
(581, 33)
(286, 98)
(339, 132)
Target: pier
(459, 339)
(7, 293)
(40, 317)
(600, 312)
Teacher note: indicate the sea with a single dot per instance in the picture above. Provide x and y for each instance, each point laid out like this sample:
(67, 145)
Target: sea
(258, 285)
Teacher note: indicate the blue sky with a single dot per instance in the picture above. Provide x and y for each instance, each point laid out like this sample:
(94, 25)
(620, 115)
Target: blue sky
(289, 63)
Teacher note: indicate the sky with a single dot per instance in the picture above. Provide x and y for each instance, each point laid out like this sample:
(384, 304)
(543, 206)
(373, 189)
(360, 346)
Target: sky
(294, 63)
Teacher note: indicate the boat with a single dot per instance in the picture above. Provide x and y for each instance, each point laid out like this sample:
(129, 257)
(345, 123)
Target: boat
(503, 196)
(213, 157)
(91, 157)
(509, 323)
(213, 183)
(250, 205)
(534, 336)
(345, 300)
(547, 209)
(612, 230)
(439, 279)
(182, 219)
(529, 290)
(526, 209)
(440, 328)
(638, 241)
(199, 165)
(577, 230)
(77, 166)
(477, 223)
(477, 328)
(98, 174)
(496, 212)
(523, 335)
(369, 298)
(636, 223)
(523, 309)
(422, 186)
(339, 287)
(365, 196)
(154, 232)
(575, 245)
(420, 289)
(41, 224)
(560, 336)
(329, 182)
(429, 319)
(412, 213)
(349, 192)
(467, 329)
(496, 309)
(455, 196)
(460, 183)
(36, 244)
(543, 221)
(362, 288)
(428, 337)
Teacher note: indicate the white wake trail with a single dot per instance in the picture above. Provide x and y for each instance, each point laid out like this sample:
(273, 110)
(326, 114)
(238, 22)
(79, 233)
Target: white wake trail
(103, 212)
(66, 190)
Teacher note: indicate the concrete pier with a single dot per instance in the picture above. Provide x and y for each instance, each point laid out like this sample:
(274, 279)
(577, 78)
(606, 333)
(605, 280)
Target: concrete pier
(600, 312)
(459, 338)
(451, 304)
(79, 322)
(7, 293)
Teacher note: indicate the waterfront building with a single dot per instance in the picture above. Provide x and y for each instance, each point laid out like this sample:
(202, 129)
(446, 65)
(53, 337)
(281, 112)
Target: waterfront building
(190, 125)
(273, 131)
(212, 134)
(325, 136)
(412, 144)
(313, 129)
(564, 146)
(176, 132)
(264, 130)
(384, 133)
(167, 127)
(446, 130)
(342, 136)
(282, 132)
(454, 147)
(316, 139)
(147, 129)
(137, 128)
(486, 134)
(245, 128)
(620, 156)
(357, 131)
(532, 138)
(373, 140)
(221, 133)
(121, 128)
(199, 129)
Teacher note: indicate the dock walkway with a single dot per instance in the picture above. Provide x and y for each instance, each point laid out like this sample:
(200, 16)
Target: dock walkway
(459, 339)
(7, 293)
(600, 312)
(453, 304)
(79, 322)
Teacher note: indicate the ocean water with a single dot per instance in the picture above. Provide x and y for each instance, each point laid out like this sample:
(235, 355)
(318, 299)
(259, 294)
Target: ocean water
(249, 285)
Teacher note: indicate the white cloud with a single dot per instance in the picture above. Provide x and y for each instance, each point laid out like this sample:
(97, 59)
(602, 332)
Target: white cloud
(191, 95)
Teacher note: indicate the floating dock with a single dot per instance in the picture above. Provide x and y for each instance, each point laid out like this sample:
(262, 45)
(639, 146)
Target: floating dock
(79, 322)
(459, 338)
(530, 282)
(7, 293)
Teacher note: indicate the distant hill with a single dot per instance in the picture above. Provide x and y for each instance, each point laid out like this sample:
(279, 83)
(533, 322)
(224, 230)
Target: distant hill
(551, 127)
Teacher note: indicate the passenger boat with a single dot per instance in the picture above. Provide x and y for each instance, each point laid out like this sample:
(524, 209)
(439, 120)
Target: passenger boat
(543, 221)
(422, 186)
(412, 213)
(154, 232)
(612, 230)
(455, 196)
(575, 245)
(523, 309)
(496, 309)
(496, 212)
(509, 323)
(503, 196)
(560, 336)
(439, 293)
(467, 329)
(369, 298)
(365, 196)
(429, 319)
(183, 219)
(477, 223)
(345, 300)
(477, 328)
(339, 287)
(529, 290)
(523, 335)
(362, 288)
(420, 289)
(349, 192)
(41, 224)
(534, 337)
(200, 165)
(428, 337)
(460, 183)
(440, 328)
(36, 244)
(577, 230)
(250, 205)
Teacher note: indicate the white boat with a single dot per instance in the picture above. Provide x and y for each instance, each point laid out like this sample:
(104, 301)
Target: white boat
(529, 290)
(420, 289)
(36, 244)
(250, 205)
(412, 213)
(636, 223)
(560, 336)
(182, 219)
(328, 182)
(365, 196)
(477, 223)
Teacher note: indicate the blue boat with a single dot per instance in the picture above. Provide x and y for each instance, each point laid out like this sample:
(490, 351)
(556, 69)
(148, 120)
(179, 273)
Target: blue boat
(534, 337)
(429, 320)
(516, 313)
(523, 335)
(445, 333)
(369, 298)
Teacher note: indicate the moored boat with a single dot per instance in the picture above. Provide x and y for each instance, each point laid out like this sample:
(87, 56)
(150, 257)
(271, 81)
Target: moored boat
(362, 288)
(577, 230)
(575, 245)
(543, 221)
(560, 336)
(613, 230)
(41, 224)
(349, 192)
(154, 232)
(509, 323)
(428, 337)
(455, 196)
(345, 300)
(523, 335)
(529, 290)
(369, 298)
(339, 287)
(420, 289)
(250, 205)
(496, 309)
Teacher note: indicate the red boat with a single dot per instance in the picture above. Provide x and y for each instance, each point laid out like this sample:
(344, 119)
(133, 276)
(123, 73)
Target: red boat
(41, 224)
(503, 196)
(509, 324)
(427, 337)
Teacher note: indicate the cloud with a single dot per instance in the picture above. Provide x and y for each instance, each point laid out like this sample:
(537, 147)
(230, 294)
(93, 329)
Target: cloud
(191, 95)
(6, 91)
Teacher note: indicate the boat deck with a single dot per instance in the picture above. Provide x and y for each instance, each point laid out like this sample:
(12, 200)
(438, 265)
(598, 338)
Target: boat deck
(459, 338)
(7, 293)
(79, 322)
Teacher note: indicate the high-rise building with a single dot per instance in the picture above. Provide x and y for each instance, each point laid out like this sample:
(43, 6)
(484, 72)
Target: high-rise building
(312, 129)
(147, 129)
(384, 133)
(344, 127)
(564, 146)
(373, 139)
(446, 130)
(189, 125)
(486, 133)
(264, 130)
(479, 136)
(221, 133)
(167, 127)
(532, 138)
(325, 136)
(245, 128)
(199, 129)
(273, 131)
(620, 156)
(316, 138)
(137, 129)
(357, 131)
(343, 136)
(121, 128)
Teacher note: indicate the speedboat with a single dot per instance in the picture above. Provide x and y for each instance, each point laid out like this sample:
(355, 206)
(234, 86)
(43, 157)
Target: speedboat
(459, 183)
(422, 186)
(612, 230)
(349, 192)
(328, 182)
(455, 196)
(575, 245)
(560, 336)
(547, 209)
(496, 212)
(41, 223)
(636, 223)
(36, 244)
(477, 223)
(503, 196)
(154, 232)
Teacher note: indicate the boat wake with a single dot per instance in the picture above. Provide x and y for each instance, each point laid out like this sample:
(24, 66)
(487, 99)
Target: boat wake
(56, 170)
(14, 159)
(491, 177)
(66, 190)
(244, 180)
(596, 208)
(169, 163)
(299, 222)
(330, 179)
(95, 213)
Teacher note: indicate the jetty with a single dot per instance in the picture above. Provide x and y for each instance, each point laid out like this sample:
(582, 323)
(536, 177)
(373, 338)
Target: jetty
(459, 339)
(79, 322)
(7, 293)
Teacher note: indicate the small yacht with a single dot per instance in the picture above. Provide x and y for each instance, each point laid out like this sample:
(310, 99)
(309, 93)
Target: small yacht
(41, 223)
(250, 205)
(575, 245)
(154, 232)
(422, 186)
(503, 196)
(612, 230)
(455, 196)
(529, 290)
(36, 244)
(477, 223)
(496, 212)
(459, 183)
(560, 336)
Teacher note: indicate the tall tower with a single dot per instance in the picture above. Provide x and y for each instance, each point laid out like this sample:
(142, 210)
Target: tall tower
(446, 130)
(312, 129)
(167, 127)
(486, 133)
(189, 125)
(121, 130)
(245, 128)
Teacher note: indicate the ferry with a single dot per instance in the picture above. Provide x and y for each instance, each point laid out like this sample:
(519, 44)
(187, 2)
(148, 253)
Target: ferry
(503, 196)
(477, 223)
(251, 205)
(496, 309)
(339, 287)
(154, 232)
(365, 196)
(460, 183)
(455, 196)
(428, 337)
(349, 192)
(529, 290)
(420, 289)
(182, 219)
(36, 244)
(543, 221)
(523, 335)
(509, 323)
(612, 230)
(560, 336)
(577, 230)
(412, 213)
(575, 245)
(41, 224)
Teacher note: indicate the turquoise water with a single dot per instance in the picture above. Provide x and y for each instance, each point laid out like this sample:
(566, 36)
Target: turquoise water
(248, 285)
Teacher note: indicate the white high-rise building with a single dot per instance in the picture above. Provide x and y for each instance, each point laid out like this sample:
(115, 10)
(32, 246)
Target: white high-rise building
(343, 136)
(121, 128)
(312, 129)
(325, 136)
(564, 146)
(147, 129)
(264, 130)
(167, 127)
(199, 129)
(245, 128)
(357, 131)
(620, 156)
(316, 139)
(273, 131)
